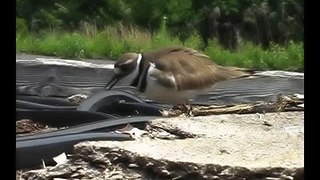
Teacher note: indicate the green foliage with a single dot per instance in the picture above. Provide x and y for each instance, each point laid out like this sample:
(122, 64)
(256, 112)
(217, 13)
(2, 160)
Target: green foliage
(272, 31)
(64, 45)
(114, 41)
(21, 27)
(27, 43)
(97, 46)
(251, 56)
(162, 38)
(194, 41)
(269, 19)
(71, 45)
(49, 45)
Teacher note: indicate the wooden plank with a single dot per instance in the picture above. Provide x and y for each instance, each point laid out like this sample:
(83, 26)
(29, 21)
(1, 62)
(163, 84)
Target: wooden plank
(63, 78)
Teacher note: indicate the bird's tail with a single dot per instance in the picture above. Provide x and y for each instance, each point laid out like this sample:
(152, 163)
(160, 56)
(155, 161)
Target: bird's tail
(230, 72)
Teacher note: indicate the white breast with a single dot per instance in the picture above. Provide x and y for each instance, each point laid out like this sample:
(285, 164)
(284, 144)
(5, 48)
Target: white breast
(158, 93)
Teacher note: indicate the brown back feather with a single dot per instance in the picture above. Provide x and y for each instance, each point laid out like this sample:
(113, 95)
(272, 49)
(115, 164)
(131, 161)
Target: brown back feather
(197, 72)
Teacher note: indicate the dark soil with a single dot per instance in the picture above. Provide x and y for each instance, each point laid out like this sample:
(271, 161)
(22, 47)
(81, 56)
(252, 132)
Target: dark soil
(27, 127)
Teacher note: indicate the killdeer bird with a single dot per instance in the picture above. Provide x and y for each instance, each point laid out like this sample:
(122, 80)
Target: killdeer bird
(172, 75)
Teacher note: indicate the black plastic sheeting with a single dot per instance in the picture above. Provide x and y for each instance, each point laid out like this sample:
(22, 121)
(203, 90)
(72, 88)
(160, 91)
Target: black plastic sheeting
(94, 119)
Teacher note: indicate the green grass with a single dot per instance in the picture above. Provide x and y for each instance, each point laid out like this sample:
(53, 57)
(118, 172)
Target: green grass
(111, 42)
(289, 58)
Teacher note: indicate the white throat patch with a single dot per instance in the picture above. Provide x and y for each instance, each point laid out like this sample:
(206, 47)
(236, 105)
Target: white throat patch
(136, 69)
(130, 77)
(139, 60)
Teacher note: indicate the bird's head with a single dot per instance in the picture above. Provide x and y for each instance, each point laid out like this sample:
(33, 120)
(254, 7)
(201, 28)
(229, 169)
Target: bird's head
(126, 65)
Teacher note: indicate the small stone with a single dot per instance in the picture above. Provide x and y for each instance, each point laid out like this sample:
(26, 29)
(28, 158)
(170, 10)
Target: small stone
(132, 165)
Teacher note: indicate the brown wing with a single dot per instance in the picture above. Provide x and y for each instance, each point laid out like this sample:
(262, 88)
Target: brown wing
(190, 69)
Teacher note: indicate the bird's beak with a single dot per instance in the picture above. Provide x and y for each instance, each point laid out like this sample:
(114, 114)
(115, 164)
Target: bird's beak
(113, 81)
